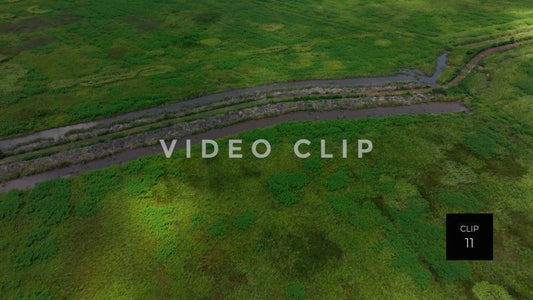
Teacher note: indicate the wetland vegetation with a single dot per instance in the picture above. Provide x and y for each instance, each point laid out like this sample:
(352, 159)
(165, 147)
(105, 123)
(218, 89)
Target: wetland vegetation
(63, 62)
(295, 228)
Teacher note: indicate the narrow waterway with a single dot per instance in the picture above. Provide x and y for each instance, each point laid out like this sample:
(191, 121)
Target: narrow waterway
(408, 76)
(217, 133)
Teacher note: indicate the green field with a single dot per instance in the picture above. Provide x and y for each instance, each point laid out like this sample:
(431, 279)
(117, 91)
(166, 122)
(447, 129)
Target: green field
(67, 61)
(288, 228)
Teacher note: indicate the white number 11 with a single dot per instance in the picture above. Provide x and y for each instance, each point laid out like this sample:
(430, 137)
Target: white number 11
(469, 242)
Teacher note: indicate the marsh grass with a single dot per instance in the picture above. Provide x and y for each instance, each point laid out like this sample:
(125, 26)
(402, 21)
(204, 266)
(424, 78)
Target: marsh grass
(223, 227)
(204, 47)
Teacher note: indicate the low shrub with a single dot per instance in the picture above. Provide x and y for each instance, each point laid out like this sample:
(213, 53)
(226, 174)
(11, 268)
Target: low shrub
(285, 184)
(313, 164)
(217, 228)
(50, 201)
(145, 177)
(245, 220)
(481, 145)
(37, 235)
(525, 85)
(487, 291)
(337, 181)
(158, 220)
(10, 203)
(295, 291)
(97, 185)
(46, 249)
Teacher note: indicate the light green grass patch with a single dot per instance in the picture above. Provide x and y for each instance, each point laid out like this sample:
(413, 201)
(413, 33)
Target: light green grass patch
(458, 174)
(211, 42)
(155, 70)
(36, 10)
(10, 74)
(304, 60)
(334, 65)
(4, 16)
(382, 43)
(112, 74)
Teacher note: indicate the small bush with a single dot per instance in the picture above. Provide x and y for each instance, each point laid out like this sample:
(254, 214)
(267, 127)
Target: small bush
(525, 85)
(217, 228)
(164, 251)
(288, 198)
(97, 185)
(487, 291)
(245, 220)
(86, 208)
(295, 291)
(144, 179)
(313, 164)
(284, 185)
(179, 173)
(190, 40)
(13, 284)
(10, 203)
(439, 90)
(46, 249)
(460, 200)
(37, 235)
(285, 181)
(337, 181)
(481, 145)
(196, 221)
(50, 201)
(158, 220)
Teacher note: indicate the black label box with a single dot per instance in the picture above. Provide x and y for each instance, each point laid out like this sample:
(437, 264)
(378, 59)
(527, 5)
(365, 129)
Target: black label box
(469, 236)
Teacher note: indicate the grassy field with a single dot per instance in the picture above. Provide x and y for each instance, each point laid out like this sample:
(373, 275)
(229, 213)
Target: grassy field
(282, 227)
(64, 61)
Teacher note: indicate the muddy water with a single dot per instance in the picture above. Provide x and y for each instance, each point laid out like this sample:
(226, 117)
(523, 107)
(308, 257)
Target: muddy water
(407, 76)
(130, 155)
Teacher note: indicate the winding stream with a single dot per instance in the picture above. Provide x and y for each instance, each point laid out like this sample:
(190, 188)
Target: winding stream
(130, 155)
(407, 76)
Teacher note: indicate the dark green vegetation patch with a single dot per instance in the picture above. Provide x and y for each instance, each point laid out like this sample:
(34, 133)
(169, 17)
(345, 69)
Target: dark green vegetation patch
(10, 203)
(245, 220)
(285, 186)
